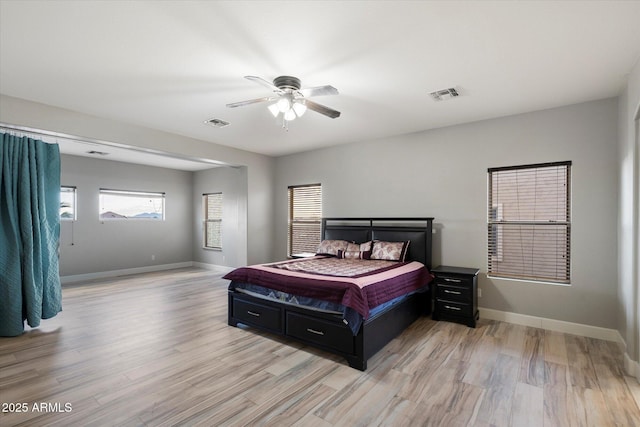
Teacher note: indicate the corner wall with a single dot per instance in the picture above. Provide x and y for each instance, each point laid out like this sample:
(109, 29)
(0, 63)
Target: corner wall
(232, 183)
(89, 245)
(629, 222)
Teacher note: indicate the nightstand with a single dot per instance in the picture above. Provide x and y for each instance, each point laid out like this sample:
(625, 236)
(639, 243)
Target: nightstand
(455, 294)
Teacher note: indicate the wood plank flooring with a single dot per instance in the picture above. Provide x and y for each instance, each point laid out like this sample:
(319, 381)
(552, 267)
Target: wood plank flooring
(155, 350)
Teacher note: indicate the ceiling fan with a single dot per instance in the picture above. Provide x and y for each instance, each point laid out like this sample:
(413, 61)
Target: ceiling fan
(291, 101)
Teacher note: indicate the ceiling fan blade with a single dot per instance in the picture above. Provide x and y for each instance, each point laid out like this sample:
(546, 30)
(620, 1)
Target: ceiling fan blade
(319, 91)
(251, 101)
(319, 108)
(263, 82)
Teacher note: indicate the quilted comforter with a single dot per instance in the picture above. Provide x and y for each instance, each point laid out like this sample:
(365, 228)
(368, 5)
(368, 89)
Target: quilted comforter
(358, 284)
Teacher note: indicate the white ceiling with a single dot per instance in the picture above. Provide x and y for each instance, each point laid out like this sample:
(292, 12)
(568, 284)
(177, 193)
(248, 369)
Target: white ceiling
(170, 65)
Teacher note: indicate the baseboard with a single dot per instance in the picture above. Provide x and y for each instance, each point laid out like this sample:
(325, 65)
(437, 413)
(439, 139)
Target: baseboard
(631, 367)
(214, 267)
(115, 273)
(552, 325)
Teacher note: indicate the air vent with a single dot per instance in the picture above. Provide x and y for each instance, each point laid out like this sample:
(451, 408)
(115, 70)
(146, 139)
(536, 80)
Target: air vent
(443, 94)
(218, 123)
(97, 153)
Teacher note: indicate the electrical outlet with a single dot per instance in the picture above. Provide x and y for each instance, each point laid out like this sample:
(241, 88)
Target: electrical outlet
(153, 257)
(479, 293)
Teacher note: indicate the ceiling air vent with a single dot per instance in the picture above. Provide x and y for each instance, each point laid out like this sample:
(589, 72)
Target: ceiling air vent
(443, 94)
(218, 123)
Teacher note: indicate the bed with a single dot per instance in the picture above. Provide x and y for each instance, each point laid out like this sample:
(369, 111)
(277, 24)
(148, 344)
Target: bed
(354, 323)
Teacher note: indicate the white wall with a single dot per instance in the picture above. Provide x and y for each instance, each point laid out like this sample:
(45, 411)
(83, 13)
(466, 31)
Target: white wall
(442, 173)
(89, 245)
(628, 220)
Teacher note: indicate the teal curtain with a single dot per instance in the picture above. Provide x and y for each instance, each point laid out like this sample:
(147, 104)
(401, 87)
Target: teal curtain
(29, 233)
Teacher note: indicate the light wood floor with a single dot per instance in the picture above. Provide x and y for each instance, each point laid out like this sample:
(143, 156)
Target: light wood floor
(155, 349)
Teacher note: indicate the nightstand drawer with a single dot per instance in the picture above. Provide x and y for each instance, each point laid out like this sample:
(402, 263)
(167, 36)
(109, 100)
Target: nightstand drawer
(454, 293)
(454, 281)
(454, 308)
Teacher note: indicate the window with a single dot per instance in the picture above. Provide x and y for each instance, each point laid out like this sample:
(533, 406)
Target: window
(529, 222)
(212, 203)
(136, 205)
(305, 218)
(68, 203)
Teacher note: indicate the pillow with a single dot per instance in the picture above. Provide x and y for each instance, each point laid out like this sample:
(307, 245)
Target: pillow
(390, 251)
(354, 254)
(331, 247)
(353, 247)
(366, 246)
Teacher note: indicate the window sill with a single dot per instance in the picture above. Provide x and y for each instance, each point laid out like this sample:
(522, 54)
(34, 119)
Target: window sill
(540, 282)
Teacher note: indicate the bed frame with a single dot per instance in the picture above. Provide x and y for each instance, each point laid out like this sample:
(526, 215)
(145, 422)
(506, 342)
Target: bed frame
(327, 331)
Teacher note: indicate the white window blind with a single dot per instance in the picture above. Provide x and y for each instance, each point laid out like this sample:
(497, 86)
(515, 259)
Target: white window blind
(529, 222)
(68, 200)
(212, 203)
(128, 205)
(305, 218)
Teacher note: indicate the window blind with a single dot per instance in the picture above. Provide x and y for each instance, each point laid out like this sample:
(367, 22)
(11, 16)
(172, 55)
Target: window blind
(68, 202)
(212, 203)
(128, 205)
(305, 218)
(529, 222)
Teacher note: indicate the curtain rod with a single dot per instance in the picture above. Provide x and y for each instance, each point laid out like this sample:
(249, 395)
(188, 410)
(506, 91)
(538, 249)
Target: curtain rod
(93, 141)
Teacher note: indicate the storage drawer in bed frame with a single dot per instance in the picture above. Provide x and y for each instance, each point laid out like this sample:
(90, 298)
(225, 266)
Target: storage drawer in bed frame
(260, 315)
(320, 332)
(327, 331)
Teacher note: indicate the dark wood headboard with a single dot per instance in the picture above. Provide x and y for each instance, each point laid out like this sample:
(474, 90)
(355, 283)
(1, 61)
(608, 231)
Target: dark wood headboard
(359, 230)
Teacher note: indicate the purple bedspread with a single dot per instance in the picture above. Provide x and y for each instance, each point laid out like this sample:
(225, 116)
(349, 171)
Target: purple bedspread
(361, 293)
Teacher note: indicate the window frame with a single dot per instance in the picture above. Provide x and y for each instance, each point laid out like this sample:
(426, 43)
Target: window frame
(74, 206)
(500, 246)
(315, 219)
(206, 221)
(131, 193)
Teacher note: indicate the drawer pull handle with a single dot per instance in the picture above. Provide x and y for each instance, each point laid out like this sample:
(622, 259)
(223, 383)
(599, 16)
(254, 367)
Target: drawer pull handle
(452, 280)
(313, 331)
(253, 313)
(452, 308)
(447, 291)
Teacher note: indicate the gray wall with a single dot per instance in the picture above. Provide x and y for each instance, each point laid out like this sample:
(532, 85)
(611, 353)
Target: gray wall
(89, 245)
(442, 173)
(628, 220)
(232, 182)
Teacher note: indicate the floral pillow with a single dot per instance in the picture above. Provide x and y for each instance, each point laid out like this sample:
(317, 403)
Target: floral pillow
(390, 251)
(353, 247)
(331, 247)
(366, 246)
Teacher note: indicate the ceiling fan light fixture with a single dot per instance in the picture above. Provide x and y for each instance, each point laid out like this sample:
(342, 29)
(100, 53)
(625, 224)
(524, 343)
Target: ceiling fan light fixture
(274, 109)
(284, 104)
(289, 99)
(290, 115)
(299, 108)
